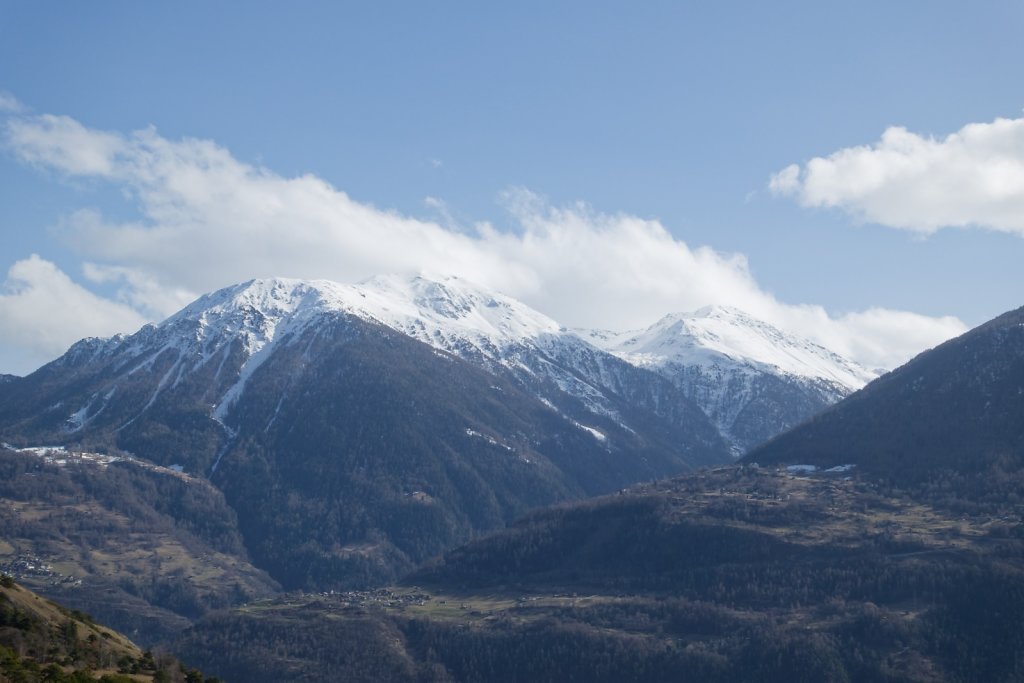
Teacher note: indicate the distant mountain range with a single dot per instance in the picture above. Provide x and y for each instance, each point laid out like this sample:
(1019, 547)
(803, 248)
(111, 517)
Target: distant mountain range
(352, 450)
(357, 430)
(750, 379)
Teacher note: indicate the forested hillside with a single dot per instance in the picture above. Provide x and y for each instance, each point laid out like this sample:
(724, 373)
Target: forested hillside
(733, 574)
(43, 642)
(141, 548)
(950, 419)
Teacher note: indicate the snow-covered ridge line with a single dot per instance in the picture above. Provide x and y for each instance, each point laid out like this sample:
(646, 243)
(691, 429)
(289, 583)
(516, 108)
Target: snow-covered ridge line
(420, 307)
(451, 315)
(718, 335)
(456, 316)
(234, 331)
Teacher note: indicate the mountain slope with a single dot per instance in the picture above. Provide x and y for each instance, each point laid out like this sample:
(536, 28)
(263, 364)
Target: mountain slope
(403, 450)
(753, 380)
(954, 411)
(506, 337)
(349, 449)
(43, 641)
(146, 549)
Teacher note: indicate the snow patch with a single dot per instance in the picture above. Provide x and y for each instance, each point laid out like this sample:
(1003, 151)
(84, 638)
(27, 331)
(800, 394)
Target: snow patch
(77, 419)
(494, 442)
(593, 432)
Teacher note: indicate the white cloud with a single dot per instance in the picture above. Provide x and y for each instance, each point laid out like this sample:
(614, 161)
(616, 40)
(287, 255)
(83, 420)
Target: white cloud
(9, 103)
(877, 332)
(42, 312)
(208, 220)
(66, 145)
(974, 177)
(140, 290)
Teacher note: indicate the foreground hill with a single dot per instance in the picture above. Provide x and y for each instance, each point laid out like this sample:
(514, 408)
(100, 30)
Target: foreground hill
(952, 418)
(733, 574)
(41, 641)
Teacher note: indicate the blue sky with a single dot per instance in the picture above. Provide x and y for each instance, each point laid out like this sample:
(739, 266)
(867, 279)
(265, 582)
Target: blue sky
(343, 133)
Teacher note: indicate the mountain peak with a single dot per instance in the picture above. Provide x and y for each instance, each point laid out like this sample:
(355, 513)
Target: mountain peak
(714, 335)
(419, 306)
(451, 301)
(751, 378)
(716, 311)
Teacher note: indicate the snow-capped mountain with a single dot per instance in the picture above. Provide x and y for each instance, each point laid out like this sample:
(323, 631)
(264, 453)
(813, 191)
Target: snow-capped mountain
(752, 379)
(587, 386)
(358, 429)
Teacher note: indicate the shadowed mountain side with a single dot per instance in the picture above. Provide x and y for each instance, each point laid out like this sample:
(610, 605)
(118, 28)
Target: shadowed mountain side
(384, 451)
(954, 414)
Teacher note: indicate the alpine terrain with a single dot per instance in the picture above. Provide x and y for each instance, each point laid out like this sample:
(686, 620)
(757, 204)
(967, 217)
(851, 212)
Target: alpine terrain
(356, 431)
(753, 380)
(881, 541)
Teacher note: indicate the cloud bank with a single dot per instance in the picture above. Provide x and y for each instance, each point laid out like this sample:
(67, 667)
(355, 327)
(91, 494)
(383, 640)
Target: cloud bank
(206, 220)
(42, 312)
(972, 178)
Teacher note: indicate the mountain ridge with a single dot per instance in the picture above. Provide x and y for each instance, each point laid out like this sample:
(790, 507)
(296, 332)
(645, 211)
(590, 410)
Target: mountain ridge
(752, 379)
(970, 389)
(749, 378)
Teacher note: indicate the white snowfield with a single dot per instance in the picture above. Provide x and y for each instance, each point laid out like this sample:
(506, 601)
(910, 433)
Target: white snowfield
(451, 310)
